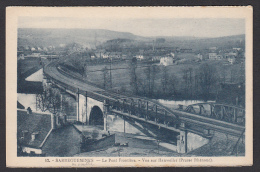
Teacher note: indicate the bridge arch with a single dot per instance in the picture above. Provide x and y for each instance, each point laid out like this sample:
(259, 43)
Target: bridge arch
(96, 116)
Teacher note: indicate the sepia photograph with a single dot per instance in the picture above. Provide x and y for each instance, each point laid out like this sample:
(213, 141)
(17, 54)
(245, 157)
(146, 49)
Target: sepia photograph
(129, 86)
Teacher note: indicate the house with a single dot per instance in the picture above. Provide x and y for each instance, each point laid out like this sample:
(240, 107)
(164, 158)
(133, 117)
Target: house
(212, 49)
(20, 55)
(62, 45)
(186, 50)
(156, 58)
(237, 49)
(212, 56)
(200, 56)
(115, 55)
(219, 57)
(92, 56)
(139, 57)
(50, 48)
(215, 56)
(105, 55)
(35, 54)
(124, 56)
(33, 130)
(45, 49)
(231, 53)
(99, 54)
(231, 59)
(166, 61)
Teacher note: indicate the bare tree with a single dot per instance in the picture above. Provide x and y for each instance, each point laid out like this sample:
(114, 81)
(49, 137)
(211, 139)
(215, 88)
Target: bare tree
(106, 78)
(173, 81)
(133, 75)
(49, 100)
(54, 100)
(165, 80)
(42, 101)
(188, 81)
(85, 69)
(141, 84)
(168, 82)
(242, 73)
(185, 78)
(151, 73)
(196, 84)
(154, 71)
(223, 74)
(207, 78)
(147, 72)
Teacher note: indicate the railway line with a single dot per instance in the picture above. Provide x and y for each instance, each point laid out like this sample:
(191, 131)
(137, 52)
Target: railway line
(144, 108)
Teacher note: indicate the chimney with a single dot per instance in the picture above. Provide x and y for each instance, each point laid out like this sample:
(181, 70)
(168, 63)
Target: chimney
(29, 111)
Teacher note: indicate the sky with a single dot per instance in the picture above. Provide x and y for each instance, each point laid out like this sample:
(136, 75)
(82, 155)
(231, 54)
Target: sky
(196, 27)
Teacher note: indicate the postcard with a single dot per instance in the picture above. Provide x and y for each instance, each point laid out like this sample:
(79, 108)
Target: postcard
(129, 86)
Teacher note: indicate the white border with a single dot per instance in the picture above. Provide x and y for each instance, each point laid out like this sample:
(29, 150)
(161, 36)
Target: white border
(12, 14)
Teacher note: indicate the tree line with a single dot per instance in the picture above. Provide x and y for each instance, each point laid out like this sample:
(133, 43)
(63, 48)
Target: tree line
(156, 81)
(159, 82)
(50, 100)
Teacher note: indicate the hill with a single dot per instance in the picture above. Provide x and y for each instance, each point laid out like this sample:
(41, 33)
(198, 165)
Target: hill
(203, 43)
(55, 37)
(88, 37)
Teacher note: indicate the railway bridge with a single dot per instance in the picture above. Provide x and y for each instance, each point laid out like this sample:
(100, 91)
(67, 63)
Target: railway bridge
(95, 105)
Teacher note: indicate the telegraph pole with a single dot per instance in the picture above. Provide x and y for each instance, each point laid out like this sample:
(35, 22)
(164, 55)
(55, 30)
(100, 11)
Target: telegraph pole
(110, 73)
(153, 45)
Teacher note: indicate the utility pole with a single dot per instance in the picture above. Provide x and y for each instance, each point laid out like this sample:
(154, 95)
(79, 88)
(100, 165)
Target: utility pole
(153, 45)
(124, 124)
(110, 73)
(78, 105)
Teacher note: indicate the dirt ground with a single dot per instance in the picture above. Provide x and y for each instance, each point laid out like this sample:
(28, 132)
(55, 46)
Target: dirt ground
(137, 147)
(149, 148)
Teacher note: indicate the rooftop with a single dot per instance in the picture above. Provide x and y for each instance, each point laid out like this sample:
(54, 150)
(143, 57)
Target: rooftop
(63, 142)
(20, 106)
(35, 123)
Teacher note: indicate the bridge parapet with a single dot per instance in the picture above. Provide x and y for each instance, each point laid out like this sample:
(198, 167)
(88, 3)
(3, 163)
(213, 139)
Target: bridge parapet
(147, 110)
(222, 112)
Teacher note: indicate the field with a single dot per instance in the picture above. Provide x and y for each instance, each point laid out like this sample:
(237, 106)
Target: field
(224, 72)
